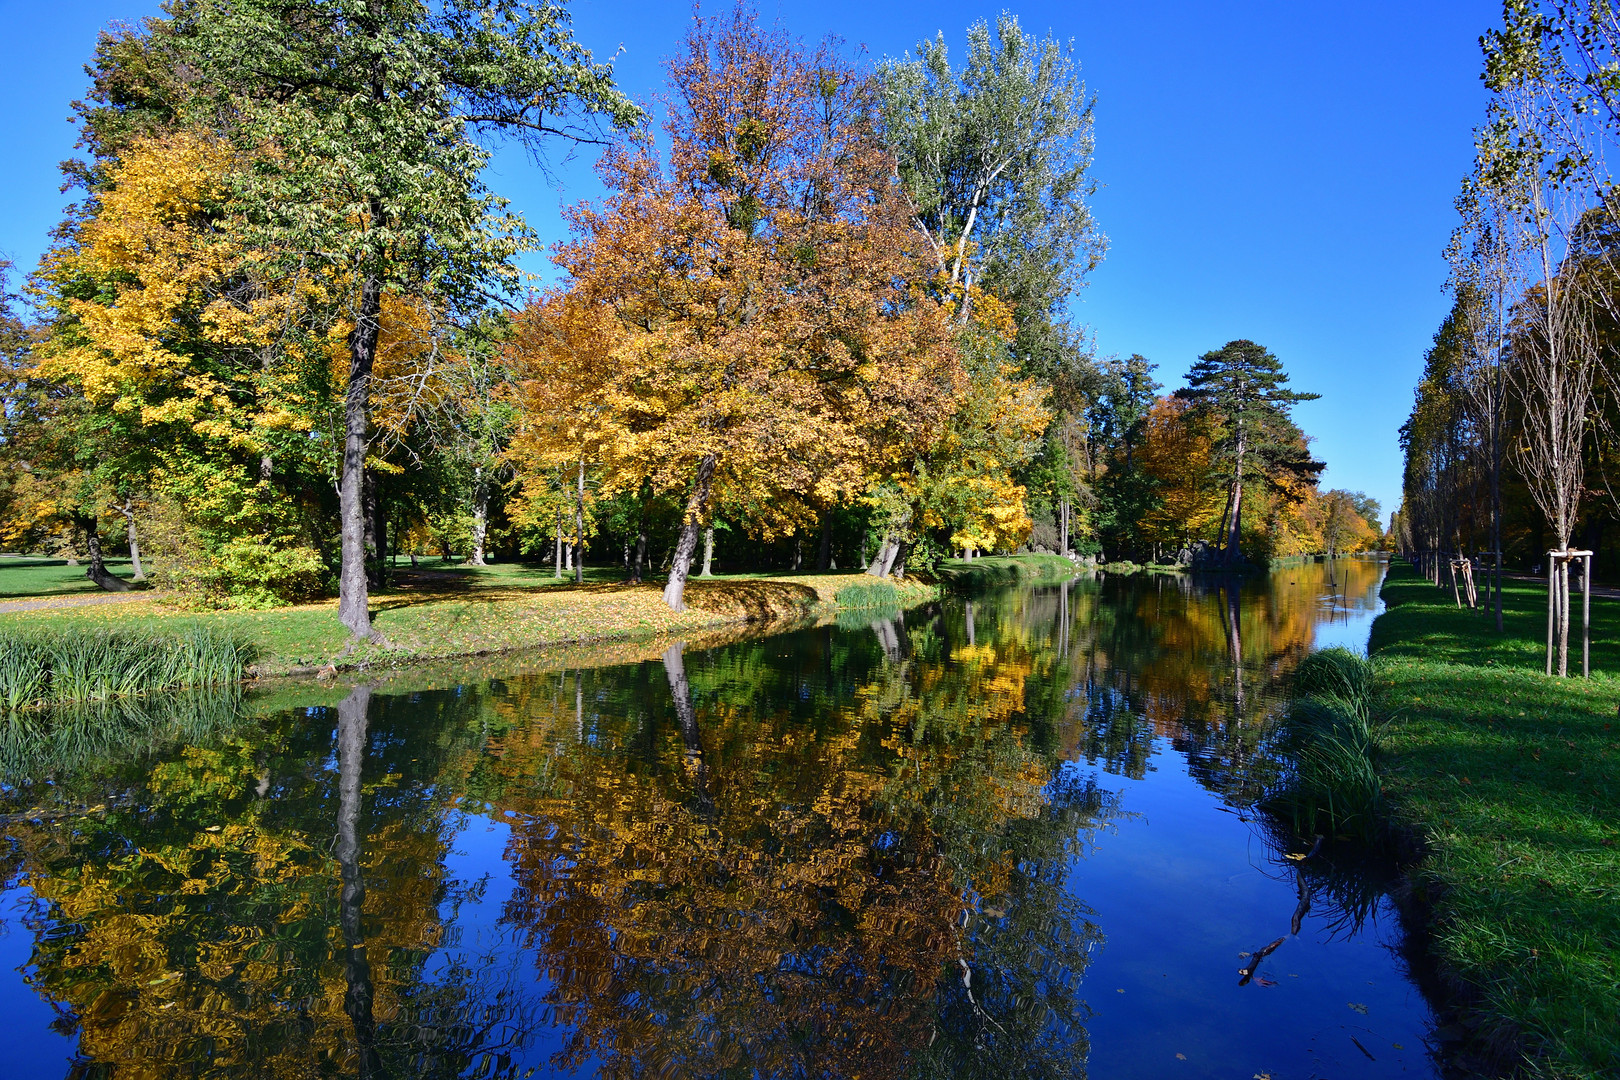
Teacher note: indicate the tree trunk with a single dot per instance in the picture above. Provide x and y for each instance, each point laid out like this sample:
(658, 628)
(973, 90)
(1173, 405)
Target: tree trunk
(1563, 617)
(1236, 525)
(357, 997)
(901, 550)
(641, 548)
(579, 528)
(353, 598)
(376, 531)
(557, 550)
(708, 552)
(697, 504)
(128, 510)
(1496, 528)
(97, 570)
(824, 555)
(480, 512)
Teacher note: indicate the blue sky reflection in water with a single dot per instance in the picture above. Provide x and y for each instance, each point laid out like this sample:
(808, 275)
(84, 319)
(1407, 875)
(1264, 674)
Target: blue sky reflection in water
(573, 871)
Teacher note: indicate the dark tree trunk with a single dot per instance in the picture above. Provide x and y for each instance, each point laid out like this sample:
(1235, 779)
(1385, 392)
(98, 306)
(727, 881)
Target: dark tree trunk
(641, 543)
(697, 503)
(1235, 526)
(376, 532)
(97, 570)
(357, 997)
(824, 556)
(353, 597)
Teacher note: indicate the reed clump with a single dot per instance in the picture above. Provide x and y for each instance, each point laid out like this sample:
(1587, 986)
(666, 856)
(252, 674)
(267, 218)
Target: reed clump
(879, 594)
(41, 668)
(1330, 782)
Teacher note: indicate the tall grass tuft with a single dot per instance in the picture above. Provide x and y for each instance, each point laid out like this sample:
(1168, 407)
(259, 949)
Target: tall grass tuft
(40, 668)
(879, 594)
(1338, 672)
(1330, 783)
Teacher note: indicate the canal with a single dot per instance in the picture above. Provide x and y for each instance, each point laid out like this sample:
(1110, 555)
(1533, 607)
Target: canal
(1011, 834)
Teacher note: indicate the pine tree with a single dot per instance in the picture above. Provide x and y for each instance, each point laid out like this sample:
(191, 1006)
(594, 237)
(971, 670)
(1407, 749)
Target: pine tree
(1241, 387)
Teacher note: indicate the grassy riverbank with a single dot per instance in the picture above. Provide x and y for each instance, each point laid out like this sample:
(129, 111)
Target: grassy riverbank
(468, 611)
(1510, 781)
(992, 570)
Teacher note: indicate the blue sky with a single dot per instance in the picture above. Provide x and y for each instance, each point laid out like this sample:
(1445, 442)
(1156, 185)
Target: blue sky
(1279, 171)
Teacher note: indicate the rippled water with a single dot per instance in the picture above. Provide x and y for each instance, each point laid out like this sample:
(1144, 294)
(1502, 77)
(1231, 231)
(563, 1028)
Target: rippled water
(1003, 836)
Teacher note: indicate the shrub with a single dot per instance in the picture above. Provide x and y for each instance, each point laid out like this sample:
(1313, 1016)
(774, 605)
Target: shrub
(245, 574)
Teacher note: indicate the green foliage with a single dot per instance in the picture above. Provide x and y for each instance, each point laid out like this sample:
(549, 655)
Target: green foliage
(42, 667)
(244, 574)
(996, 155)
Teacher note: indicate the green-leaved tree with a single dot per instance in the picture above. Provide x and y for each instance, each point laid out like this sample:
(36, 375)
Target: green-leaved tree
(364, 118)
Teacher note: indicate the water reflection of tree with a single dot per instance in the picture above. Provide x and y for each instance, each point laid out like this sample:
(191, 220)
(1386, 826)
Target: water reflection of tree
(800, 889)
(1195, 660)
(210, 923)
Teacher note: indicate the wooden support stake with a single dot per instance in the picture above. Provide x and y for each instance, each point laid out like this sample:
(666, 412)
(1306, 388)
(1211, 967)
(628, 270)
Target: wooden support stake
(1552, 590)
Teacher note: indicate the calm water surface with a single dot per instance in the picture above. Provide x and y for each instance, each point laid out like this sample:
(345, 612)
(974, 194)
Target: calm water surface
(1011, 836)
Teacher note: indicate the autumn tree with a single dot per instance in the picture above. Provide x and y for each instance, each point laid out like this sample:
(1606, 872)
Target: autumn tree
(367, 120)
(1180, 458)
(1242, 388)
(744, 315)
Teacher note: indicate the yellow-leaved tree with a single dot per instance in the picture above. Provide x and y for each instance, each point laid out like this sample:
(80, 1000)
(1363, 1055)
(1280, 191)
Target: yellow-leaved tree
(746, 315)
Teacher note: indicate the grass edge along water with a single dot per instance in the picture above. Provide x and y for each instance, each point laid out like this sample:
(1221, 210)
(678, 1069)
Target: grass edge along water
(42, 667)
(1330, 742)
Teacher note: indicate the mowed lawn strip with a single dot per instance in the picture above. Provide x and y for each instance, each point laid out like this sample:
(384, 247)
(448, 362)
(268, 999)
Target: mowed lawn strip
(23, 576)
(1513, 780)
(466, 611)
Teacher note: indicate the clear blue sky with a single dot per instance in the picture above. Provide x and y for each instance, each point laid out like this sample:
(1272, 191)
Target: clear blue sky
(1280, 171)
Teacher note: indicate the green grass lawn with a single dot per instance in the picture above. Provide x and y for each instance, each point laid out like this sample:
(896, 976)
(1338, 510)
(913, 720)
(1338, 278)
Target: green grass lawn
(1512, 779)
(24, 576)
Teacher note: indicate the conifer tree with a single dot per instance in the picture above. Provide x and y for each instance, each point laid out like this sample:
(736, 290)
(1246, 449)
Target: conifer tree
(1242, 387)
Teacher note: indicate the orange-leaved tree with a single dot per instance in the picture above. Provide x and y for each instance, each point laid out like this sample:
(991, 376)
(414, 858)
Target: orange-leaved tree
(748, 313)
